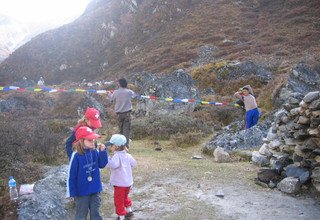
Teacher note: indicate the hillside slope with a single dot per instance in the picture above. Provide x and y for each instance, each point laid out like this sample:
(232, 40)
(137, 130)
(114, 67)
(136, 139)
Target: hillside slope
(115, 37)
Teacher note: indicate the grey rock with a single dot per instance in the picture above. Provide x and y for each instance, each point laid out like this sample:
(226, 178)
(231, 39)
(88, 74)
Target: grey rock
(296, 158)
(275, 144)
(196, 157)
(304, 79)
(48, 201)
(232, 139)
(303, 104)
(267, 175)
(259, 159)
(249, 67)
(304, 120)
(311, 96)
(279, 164)
(315, 114)
(221, 156)
(289, 185)
(314, 122)
(315, 105)
(295, 111)
(293, 101)
(220, 193)
(294, 171)
(316, 174)
(301, 134)
(264, 150)
(289, 141)
(177, 85)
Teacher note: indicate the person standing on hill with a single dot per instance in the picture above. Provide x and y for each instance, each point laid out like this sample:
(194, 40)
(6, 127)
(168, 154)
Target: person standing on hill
(91, 119)
(252, 113)
(123, 107)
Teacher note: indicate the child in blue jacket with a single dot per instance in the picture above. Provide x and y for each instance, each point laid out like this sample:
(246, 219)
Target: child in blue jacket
(84, 181)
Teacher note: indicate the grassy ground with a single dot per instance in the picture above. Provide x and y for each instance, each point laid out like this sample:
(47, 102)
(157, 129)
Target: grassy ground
(171, 185)
(159, 177)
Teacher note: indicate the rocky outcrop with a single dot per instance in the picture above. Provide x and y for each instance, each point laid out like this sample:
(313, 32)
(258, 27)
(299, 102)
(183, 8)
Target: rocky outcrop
(244, 70)
(302, 80)
(178, 84)
(234, 136)
(292, 145)
(48, 201)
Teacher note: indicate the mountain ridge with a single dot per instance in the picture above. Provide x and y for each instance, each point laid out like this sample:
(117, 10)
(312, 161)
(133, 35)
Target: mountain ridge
(113, 38)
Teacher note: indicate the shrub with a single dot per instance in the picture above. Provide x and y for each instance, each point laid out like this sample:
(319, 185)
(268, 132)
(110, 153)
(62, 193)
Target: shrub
(163, 126)
(217, 115)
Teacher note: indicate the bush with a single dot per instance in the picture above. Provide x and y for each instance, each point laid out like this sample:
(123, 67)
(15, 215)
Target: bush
(163, 126)
(218, 115)
(26, 140)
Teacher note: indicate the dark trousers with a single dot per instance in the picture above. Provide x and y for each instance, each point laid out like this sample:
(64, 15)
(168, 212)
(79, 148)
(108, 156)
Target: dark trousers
(86, 203)
(124, 123)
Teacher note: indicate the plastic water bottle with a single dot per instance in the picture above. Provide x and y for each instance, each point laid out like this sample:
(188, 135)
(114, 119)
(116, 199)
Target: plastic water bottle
(13, 189)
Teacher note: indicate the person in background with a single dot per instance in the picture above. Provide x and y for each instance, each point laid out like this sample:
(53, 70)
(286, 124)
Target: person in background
(91, 119)
(121, 178)
(41, 81)
(84, 181)
(252, 113)
(123, 107)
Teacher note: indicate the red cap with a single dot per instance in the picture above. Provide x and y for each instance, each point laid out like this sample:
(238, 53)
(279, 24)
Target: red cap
(94, 117)
(85, 133)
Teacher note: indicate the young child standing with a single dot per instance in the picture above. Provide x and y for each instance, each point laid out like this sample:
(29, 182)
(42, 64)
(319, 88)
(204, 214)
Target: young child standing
(84, 182)
(252, 113)
(121, 175)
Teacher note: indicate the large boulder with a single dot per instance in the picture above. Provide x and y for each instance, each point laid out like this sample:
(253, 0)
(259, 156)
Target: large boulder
(48, 201)
(304, 79)
(289, 185)
(232, 139)
(177, 85)
(244, 70)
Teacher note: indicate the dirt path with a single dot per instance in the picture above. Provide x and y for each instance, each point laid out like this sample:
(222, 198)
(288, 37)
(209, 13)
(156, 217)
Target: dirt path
(171, 185)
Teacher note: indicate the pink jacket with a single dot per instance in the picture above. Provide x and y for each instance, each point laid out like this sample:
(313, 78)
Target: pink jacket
(121, 169)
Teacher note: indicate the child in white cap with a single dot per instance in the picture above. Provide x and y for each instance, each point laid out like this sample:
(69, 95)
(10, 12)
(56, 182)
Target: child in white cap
(121, 179)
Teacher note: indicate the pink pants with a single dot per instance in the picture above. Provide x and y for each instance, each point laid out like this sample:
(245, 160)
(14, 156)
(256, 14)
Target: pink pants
(121, 199)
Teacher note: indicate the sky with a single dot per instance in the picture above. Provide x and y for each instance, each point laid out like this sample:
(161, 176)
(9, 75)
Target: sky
(42, 11)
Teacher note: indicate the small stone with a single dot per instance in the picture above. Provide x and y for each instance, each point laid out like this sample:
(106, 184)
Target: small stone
(220, 194)
(196, 157)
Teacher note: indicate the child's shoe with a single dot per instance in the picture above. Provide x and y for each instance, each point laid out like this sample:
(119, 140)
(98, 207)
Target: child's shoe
(129, 215)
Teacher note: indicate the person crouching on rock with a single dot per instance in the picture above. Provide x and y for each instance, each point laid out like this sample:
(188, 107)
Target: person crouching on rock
(91, 119)
(84, 181)
(250, 104)
(121, 175)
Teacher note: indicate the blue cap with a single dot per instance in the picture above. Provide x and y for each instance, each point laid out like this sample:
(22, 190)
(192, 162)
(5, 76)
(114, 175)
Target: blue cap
(117, 139)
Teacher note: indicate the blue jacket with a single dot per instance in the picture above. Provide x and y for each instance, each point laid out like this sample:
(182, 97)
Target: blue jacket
(83, 166)
(69, 142)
